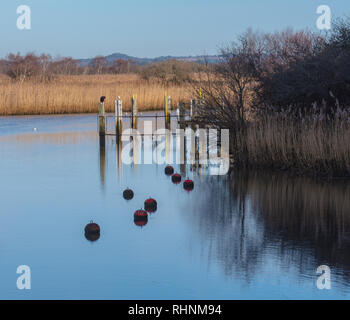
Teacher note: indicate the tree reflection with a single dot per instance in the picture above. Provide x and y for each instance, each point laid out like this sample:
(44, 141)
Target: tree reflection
(298, 222)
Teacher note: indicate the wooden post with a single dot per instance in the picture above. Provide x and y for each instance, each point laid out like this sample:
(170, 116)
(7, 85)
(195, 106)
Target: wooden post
(102, 133)
(196, 141)
(182, 136)
(167, 108)
(101, 117)
(183, 153)
(169, 111)
(134, 112)
(194, 109)
(208, 144)
(156, 122)
(118, 117)
(182, 115)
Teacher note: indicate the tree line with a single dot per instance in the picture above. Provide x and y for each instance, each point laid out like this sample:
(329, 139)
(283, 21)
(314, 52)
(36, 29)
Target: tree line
(45, 68)
(285, 97)
(289, 71)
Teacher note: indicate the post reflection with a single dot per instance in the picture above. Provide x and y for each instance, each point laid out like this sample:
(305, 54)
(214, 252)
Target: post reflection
(162, 147)
(119, 160)
(102, 161)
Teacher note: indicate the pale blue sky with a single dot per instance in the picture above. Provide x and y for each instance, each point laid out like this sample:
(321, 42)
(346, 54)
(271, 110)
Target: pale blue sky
(82, 28)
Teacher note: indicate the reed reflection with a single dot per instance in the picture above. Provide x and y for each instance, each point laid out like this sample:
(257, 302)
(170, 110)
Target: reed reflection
(248, 217)
(61, 138)
(311, 214)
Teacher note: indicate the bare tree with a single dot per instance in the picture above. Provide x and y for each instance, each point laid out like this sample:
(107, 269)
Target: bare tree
(45, 62)
(3, 66)
(66, 66)
(98, 64)
(223, 91)
(119, 66)
(23, 68)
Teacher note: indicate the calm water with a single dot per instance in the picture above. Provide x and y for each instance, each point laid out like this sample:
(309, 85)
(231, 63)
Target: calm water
(246, 235)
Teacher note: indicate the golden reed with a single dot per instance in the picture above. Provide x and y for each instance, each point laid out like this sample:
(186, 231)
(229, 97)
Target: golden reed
(80, 94)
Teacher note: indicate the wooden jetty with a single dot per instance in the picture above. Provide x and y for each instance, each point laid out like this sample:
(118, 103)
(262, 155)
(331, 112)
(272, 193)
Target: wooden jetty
(184, 118)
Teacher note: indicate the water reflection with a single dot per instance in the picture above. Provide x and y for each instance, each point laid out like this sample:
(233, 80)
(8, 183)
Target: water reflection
(246, 218)
(119, 159)
(102, 144)
(244, 235)
(300, 222)
(305, 213)
(62, 138)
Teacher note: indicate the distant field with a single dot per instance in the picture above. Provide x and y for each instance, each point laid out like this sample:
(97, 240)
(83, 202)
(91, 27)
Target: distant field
(80, 94)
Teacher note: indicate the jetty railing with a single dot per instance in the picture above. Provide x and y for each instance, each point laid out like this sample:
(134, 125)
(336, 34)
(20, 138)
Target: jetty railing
(183, 116)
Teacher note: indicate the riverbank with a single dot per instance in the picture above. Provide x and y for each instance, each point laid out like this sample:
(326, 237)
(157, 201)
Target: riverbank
(80, 94)
(309, 146)
(306, 147)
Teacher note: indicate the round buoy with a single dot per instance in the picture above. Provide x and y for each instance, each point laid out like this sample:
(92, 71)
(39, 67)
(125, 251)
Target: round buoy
(188, 185)
(140, 218)
(92, 231)
(151, 205)
(169, 170)
(92, 236)
(176, 178)
(128, 194)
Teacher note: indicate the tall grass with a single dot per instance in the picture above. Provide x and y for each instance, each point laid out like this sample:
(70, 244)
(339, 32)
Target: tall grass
(80, 94)
(314, 144)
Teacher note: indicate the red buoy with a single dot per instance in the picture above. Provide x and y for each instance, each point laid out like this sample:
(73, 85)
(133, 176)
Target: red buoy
(151, 205)
(176, 178)
(92, 231)
(188, 185)
(92, 236)
(169, 170)
(128, 194)
(140, 223)
(140, 218)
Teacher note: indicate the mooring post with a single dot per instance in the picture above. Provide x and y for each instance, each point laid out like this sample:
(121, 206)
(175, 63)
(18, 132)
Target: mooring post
(118, 117)
(208, 144)
(101, 117)
(156, 121)
(181, 113)
(218, 143)
(169, 111)
(134, 112)
(182, 136)
(167, 108)
(193, 114)
(193, 108)
(196, 141)
(194, 126)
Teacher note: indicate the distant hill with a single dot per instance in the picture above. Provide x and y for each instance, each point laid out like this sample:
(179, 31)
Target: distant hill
(144, 61)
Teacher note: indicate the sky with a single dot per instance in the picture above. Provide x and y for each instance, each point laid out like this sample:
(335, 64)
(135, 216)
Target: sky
(84, 29)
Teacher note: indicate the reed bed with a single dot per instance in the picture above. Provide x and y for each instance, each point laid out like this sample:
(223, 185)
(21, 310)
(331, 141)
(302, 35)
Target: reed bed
(314, 144)
(80, 94)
